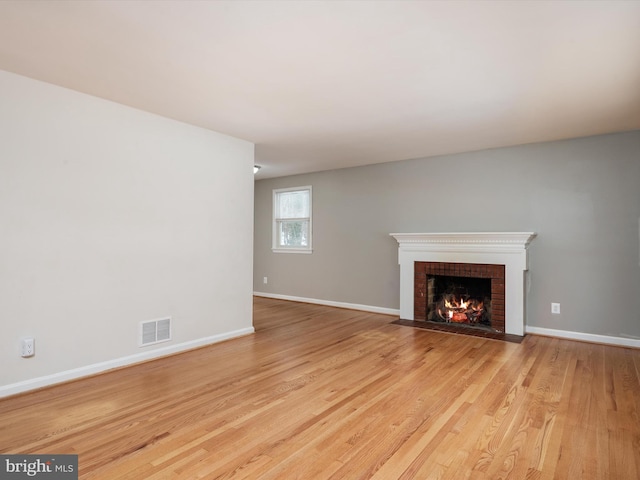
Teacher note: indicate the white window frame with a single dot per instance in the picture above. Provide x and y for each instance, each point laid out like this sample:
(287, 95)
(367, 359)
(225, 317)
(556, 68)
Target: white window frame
(283, 249)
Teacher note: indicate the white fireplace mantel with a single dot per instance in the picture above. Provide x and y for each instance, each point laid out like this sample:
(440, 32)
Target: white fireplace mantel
(497, 248)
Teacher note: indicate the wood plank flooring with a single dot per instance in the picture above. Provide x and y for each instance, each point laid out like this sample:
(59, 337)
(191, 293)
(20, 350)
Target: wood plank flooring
(327, 393)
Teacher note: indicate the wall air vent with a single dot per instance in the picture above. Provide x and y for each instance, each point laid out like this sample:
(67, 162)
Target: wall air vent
(155, 331)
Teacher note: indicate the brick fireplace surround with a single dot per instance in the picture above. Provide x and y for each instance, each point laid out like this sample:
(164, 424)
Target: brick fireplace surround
(469, 270)
(481, 252)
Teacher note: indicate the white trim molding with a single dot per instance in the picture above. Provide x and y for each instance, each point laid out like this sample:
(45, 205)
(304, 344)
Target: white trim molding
(480, 241)
(331, 303)
(496, 248)
(585, 337)
(48, 380)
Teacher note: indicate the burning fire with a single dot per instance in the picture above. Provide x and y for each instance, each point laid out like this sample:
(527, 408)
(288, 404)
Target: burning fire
(460, 310)
(463, 303)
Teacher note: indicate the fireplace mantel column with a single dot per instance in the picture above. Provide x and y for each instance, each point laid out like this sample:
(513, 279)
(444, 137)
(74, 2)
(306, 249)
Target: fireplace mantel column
(497, 248)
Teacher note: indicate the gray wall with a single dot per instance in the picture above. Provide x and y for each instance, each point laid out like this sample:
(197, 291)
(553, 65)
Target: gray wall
(581, 196)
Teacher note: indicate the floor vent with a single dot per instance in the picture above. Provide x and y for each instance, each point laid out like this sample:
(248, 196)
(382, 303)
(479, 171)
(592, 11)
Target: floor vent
(155, 331)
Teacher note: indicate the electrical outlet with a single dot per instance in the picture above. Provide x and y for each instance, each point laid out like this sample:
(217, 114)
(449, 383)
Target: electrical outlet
(27, 347)
(555, 308)
(264, 280)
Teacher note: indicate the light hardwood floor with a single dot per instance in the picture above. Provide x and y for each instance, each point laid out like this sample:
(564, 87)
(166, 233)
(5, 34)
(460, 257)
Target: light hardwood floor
(327, 393)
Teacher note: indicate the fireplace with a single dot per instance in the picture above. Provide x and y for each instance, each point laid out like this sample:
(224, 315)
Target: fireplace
(466, 294)
(500, 258)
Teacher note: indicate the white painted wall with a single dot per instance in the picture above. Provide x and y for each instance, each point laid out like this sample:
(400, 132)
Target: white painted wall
(110, 216)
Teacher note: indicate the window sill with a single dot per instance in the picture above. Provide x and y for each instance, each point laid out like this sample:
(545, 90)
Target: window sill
(292, 250)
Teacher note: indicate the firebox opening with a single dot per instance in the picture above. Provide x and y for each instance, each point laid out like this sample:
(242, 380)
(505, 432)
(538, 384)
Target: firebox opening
(461, 300)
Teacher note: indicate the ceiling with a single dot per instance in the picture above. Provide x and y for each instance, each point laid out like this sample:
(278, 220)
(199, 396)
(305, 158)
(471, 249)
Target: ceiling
(318, 85)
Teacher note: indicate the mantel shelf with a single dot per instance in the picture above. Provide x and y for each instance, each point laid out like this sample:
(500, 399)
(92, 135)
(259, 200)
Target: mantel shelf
(469, 238)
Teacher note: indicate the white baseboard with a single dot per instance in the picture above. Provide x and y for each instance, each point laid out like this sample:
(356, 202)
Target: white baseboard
(330, 303)
(95, 368)
(585, 337)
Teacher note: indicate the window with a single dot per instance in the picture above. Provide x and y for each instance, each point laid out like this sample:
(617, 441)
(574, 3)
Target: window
(292, 220)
